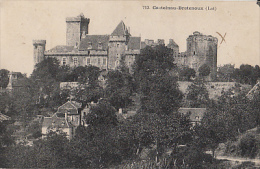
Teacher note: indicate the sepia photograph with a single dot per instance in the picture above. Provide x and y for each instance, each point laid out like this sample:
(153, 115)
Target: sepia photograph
(130, 84)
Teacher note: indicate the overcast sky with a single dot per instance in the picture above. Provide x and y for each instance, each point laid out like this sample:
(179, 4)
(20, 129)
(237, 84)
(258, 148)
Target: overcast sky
(23, 21)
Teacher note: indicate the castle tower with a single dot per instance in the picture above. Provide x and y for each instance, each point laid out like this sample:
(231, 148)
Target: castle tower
(38, 50)
(117, 45)
(202, 49)
(77, 28)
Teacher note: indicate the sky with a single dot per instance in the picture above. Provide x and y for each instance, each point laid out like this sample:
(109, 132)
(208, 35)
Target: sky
(23, 21)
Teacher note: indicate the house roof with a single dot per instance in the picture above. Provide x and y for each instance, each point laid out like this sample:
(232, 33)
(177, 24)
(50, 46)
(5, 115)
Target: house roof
(120, 30)
(196, 114)
(55, 122)
(70, 107)
(61, 49)
(94, 40)
(254, 91)
(134, 43)
(4, 117)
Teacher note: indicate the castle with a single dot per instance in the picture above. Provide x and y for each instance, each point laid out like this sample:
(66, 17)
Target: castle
(103, 51)
(106, 51)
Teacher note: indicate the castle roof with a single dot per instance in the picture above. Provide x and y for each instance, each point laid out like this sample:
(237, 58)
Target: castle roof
(120, 30)
(61, 49)
(172, 43)
(134, 43)
(94, 40)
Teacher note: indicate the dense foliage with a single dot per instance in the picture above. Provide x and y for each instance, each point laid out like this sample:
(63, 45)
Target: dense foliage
(157, 133)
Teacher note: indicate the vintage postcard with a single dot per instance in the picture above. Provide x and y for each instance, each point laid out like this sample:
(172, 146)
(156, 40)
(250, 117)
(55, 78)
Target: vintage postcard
(129, 84)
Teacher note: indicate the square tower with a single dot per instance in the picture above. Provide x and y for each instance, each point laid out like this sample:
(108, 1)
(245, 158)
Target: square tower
(77, 27)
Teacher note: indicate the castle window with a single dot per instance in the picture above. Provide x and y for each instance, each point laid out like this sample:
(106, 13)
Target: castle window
(117, 45)
(89, 45)
(75, 61)
(98, 61)
(104, 61)
(194, 53)
(117, 56)
(88, 61)
(64, 61)
(99, 45)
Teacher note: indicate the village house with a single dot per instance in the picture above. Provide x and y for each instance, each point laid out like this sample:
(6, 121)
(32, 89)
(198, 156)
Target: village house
(68, 117)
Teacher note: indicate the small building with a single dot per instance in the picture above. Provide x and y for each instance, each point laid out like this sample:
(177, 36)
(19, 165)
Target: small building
(57, 123)
(66, 119)
(195, 114)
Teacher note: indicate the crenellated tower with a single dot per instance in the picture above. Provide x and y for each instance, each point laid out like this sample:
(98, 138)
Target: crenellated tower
(38, 50)
(202, 49)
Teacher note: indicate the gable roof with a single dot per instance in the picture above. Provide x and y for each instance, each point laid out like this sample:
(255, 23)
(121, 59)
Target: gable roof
(94, 40)
(134, 43)
(61, 49)
(194, 113)
(120, 30)
(70, 107)
(172, 43)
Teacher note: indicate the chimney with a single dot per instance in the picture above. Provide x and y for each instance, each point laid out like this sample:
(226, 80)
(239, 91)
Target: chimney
(120, 111)
(66, 116)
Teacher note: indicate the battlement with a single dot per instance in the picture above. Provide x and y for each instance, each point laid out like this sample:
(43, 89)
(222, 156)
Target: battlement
(39, 42)
(79, 18)
(197, 36)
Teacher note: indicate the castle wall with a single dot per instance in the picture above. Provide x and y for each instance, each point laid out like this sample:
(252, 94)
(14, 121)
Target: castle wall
(82, 60)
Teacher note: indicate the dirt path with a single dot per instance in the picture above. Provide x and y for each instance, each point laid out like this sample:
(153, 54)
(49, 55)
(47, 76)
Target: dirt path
(256, 161)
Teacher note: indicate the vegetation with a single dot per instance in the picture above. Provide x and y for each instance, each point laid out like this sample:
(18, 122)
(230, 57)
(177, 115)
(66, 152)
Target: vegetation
(157, 133)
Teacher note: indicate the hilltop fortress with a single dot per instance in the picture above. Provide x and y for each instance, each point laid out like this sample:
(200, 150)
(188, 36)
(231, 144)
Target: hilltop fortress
(106, 51)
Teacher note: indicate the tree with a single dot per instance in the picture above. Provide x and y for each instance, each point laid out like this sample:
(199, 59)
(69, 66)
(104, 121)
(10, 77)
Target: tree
(102, 115)
(226, 119)
(197, 94)
(247, 74)
(160, 94)
(204, 70)
(225, 73)
(51, 152)
(186, 73)
(85, 75)
(4, 79)
(119, 88)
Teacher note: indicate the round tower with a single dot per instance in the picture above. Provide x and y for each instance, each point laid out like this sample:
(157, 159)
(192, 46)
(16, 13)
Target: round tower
(38, 50)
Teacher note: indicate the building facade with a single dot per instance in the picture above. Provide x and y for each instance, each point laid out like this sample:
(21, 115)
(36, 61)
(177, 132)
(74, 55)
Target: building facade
(201, 49)
(103, 51)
